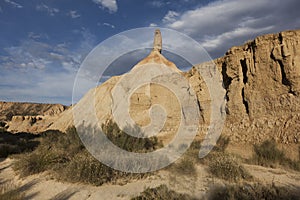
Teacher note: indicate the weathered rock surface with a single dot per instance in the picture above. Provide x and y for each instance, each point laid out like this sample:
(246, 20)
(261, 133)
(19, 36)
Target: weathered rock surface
(140, 101)
(262, 81)
(29, 117)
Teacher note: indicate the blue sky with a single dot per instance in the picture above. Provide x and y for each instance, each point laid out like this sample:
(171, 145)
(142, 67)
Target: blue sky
(42, 43)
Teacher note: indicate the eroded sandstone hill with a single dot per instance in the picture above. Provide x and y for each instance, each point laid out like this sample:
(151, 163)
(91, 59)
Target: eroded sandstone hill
(262, 82)
(30, 117)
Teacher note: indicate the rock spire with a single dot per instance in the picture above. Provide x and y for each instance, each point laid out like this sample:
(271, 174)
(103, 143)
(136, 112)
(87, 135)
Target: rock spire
(157, 44)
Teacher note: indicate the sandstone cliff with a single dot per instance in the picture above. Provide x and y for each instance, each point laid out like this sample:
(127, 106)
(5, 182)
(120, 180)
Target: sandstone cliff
(262, 82)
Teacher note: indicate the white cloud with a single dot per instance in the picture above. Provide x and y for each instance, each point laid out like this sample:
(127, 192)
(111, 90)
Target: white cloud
(108, 24)
(73, 14)
(170, 16)
(225, 23)
(14, 4)
(158, 4)
(152, 25)
(44, 8)
(211, 43)
(111, 5)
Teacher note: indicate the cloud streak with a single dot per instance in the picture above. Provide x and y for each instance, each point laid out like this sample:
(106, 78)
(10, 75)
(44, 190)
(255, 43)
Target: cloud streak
(49, 10)
(13, 4)
(224, 23)
(73, 14)
(111, 5)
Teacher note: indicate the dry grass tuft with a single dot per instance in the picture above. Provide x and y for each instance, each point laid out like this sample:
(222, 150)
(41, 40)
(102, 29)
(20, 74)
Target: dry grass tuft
(227, 167)
(163, 193)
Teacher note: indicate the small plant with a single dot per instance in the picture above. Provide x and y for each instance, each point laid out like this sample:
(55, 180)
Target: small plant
(268, 154)
(162, 193)
(227, 167)
(16, 143)
(10, 192)
(252, 191)
(221, 144)
(128, 142)
(64, 155)
(185, 166)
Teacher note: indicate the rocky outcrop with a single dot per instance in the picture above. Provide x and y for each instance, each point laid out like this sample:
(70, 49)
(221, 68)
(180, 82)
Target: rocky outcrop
(262, 82)
(29, 117)
(10, 109)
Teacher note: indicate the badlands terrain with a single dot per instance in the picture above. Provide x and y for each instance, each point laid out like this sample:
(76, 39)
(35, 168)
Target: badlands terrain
(256, 157)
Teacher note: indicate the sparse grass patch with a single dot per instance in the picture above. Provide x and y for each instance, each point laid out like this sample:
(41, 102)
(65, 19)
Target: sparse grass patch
(128, 142)
(268, 154)
(162, 193)
(8, 191)
(253, 191)
(16, 143)
(221, 144)
(227, 167)
(66, 158)
(185, 166)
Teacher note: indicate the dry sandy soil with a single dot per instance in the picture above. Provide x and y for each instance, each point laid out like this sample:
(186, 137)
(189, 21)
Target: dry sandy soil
(43, 187)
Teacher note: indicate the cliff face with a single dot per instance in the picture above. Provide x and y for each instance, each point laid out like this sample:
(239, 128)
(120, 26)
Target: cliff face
(262, 82)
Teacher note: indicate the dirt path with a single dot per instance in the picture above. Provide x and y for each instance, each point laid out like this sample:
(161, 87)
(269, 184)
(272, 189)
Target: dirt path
(42, 187)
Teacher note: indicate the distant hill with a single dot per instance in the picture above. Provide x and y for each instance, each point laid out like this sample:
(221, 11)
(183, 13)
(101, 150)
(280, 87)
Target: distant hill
(10, 109)
(29, 117)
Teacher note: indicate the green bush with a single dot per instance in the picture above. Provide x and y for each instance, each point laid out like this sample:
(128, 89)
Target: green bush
(162, 193)
(227, 167)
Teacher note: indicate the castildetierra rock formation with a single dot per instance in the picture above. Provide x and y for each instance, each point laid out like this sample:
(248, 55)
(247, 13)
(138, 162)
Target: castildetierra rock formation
(262, 83)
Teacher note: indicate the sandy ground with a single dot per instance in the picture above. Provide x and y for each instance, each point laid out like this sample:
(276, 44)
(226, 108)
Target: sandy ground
(43, 187)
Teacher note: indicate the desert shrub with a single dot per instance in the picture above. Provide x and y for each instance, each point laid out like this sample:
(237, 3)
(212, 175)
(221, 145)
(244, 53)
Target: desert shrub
(227, 167)
(34, 163)
(268, 154)
(66, 157)
(16, 143)
(162, 193)
(7, 149)
(128, 142)
(253, 191)
(8, 191)
(86, 169)
(221, 144)
(185, 166)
